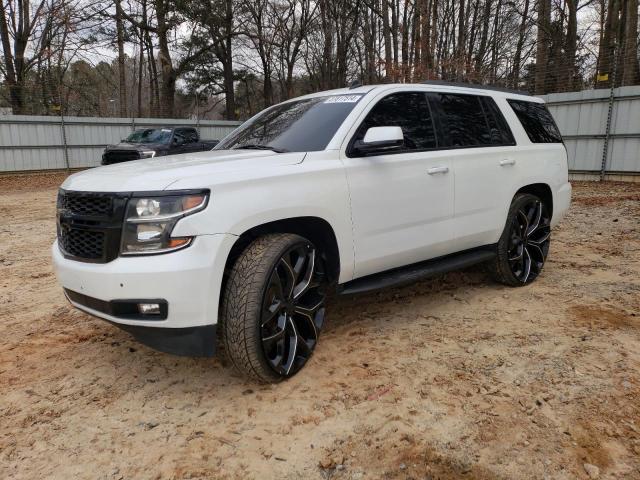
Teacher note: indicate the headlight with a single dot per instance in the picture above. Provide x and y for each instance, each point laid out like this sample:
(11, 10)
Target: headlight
(149, 222)
(147, 154)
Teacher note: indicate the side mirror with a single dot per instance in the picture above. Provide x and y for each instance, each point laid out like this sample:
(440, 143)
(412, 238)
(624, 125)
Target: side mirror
(380, 140)
(178, 141)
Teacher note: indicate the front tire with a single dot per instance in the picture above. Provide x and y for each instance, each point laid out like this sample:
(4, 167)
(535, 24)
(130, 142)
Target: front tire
(524, 244)
(273, 307)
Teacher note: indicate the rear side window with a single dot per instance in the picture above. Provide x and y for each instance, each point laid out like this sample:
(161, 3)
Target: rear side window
(498, 126)
(537, 121)
(465, 119)
(408, 110)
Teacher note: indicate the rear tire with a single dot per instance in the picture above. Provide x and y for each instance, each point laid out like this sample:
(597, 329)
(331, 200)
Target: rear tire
(273, 307)
(524, 244)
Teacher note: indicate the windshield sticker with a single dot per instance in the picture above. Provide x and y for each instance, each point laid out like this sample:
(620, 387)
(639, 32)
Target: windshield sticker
(166, 129)
(343, 99)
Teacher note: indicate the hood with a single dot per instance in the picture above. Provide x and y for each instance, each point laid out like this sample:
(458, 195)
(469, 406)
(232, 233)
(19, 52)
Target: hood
(125, 146)
(158, 173)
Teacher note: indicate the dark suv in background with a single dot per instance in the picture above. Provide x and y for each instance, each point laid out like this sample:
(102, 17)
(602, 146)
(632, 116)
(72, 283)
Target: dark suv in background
(156, 142)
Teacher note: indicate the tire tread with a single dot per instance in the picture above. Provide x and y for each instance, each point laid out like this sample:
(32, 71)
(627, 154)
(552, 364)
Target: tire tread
(500, 269)
(242, 302)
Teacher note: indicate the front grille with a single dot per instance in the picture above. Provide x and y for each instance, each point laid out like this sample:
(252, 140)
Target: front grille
(83, 243)
(118, 156)
(90, 225)
(92, 206)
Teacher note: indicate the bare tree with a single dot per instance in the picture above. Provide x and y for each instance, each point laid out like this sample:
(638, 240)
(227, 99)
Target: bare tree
(543, 44)
(631, 75)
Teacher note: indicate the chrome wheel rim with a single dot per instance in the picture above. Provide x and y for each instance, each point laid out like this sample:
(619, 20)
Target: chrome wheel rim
(529, 238)
(293, 309)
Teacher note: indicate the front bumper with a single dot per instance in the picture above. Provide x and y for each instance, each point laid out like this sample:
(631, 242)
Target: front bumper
(188, 280)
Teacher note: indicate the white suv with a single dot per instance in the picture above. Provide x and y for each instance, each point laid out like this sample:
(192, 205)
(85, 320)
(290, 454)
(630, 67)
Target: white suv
(235, 249)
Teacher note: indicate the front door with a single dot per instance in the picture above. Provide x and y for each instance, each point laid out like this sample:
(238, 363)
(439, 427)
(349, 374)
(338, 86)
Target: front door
(401, 202)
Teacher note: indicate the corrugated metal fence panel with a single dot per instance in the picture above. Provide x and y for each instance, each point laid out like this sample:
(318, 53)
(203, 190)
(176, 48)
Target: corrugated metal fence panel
(582, 119)
(624, 152)
(35, 142)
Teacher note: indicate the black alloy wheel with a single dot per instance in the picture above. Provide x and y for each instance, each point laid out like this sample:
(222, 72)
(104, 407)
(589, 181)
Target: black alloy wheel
(273, 306)
(529, 241)
(293, 309)
(524, 245)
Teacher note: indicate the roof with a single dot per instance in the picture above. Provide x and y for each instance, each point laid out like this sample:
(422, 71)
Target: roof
(475, 86)
(431, 85)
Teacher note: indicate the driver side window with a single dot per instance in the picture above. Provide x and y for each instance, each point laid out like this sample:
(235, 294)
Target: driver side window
(407, 110)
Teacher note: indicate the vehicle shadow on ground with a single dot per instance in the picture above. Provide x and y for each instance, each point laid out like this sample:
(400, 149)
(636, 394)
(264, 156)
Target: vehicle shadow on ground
(344, 310)
(121, 349)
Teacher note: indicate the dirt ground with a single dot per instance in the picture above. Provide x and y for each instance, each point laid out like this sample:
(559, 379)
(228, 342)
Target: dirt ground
(456, 377)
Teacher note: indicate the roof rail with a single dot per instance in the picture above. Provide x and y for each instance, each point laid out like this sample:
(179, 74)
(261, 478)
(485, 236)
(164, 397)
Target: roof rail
(473, 85)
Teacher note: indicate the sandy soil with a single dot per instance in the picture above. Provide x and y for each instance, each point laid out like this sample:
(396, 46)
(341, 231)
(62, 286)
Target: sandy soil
(452, 378)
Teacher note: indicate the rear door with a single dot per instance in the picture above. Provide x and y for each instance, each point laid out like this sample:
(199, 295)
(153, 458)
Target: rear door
(483, 151)
(401, 202)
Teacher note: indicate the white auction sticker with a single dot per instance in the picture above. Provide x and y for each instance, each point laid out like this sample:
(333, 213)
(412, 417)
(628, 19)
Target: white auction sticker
(343, 99)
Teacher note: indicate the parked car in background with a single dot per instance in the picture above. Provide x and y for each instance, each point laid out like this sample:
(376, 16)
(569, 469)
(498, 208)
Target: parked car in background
(156, 142)
(348, 190)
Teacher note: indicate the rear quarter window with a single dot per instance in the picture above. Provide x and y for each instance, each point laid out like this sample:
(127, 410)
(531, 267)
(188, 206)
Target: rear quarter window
(537, 121)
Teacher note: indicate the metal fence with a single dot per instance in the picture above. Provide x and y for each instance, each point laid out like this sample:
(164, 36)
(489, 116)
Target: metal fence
(601, 129)
(46, 143)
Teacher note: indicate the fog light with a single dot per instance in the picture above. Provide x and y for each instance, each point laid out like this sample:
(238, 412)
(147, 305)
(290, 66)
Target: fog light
(149, 308)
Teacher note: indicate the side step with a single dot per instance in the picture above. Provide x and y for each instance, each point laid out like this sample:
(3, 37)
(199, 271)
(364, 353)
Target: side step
(418, 271)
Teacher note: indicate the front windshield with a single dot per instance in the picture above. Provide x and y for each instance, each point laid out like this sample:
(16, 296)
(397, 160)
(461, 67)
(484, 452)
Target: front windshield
(299, 126)
(150, 135)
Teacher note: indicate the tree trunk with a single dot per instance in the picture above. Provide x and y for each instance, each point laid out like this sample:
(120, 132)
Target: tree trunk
(229, 92)
(434, 37)
(122, 87)
(267, 88)
(495, 45)
(542, 47)
(140, 65)
(396, 32)
(405, 45)
(484, 36)
(571, 45)
(168, 86)
(369, 47)
(425, 38)
(461, 42)
(608, 45)
(631, 75)
(517, 58)
(12, 76)
(386, 31)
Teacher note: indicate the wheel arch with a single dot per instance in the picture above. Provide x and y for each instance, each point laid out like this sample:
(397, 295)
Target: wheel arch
(540, 190)
(316, 229)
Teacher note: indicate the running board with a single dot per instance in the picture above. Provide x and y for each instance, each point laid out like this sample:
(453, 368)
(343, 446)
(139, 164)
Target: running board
(418, 271)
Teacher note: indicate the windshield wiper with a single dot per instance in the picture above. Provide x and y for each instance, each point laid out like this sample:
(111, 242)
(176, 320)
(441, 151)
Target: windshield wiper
(255, 146)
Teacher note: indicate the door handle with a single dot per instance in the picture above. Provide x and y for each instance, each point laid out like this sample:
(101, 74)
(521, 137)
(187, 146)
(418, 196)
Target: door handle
(507, 162)
(435, 170)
